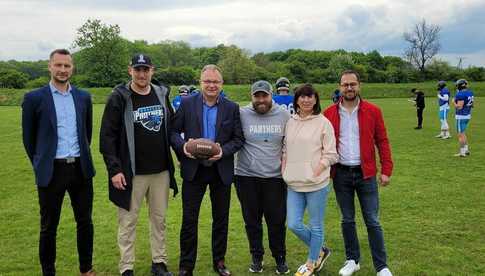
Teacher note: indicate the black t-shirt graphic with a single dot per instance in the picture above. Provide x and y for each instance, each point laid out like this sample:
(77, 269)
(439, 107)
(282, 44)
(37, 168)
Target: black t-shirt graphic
(150, 150)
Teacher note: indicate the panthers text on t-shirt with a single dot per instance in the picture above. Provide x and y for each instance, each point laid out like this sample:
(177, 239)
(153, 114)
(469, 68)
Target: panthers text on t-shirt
(149, 133)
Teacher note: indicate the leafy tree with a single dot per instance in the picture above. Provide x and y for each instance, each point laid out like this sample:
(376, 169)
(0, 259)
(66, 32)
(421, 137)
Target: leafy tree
(236, 66)
(375, 60)
(316, 75)
(12, 79)
(176, 75)
(475, 73)
(172, 54)
(104, 54)
(205, 55)
(38, 82)
(298, 70)
(424, 44)
(33, 69)
(337, 64)
(439, 70)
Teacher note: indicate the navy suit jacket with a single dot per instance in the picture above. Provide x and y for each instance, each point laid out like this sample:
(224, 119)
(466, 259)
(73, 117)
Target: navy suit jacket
(188, 120)
(39, 131)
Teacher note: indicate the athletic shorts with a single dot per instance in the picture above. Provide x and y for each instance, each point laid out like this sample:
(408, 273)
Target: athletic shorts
(461, 125)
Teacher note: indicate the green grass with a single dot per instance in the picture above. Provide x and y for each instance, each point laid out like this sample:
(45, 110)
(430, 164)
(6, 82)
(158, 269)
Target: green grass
(432, 213)
(240, 93)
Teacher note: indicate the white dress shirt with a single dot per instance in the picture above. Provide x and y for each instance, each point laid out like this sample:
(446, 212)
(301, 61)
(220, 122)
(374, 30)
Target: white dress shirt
(349, 140)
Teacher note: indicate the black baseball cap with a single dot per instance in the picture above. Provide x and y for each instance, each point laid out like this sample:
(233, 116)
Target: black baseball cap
(140, 60)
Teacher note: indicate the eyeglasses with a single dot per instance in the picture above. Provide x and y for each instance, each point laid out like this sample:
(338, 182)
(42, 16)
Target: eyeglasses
(351, 85)
(208, 82)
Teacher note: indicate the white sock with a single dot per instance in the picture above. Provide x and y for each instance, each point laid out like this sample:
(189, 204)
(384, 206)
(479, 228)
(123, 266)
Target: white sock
(465, 147)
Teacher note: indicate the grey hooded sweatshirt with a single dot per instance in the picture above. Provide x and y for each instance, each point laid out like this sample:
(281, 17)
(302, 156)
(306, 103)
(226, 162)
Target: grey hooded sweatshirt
(260, 155)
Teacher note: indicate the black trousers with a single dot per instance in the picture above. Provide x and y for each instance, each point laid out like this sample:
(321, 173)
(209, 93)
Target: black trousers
(66, 177)
(419, 112)
(192, 195)
(263, 197)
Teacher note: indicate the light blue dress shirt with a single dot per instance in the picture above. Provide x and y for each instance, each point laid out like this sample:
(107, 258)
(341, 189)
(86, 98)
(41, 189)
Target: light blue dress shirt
(209, 119)
(67, 140)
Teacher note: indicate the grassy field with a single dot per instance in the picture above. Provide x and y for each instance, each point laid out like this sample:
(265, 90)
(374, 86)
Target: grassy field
(432, 213)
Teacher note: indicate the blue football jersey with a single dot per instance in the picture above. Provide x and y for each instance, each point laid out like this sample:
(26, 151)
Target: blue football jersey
(176, 102)
(467, 97)
(444, 92)
(286, 101)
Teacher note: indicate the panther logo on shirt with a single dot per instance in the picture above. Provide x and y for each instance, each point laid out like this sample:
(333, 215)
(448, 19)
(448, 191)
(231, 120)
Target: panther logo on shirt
(150, 117)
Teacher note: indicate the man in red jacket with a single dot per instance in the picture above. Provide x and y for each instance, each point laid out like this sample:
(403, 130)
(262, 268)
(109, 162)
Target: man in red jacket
(359, 129)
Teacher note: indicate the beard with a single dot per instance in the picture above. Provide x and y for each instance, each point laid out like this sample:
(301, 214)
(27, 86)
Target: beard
(262, 108)
(350, 96)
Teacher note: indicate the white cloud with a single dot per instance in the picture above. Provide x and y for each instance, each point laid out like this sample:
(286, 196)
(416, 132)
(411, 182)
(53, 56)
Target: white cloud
(257, 25)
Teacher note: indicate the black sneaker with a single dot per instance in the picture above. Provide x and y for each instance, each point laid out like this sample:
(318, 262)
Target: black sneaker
(256, 266)
(282, 266)
(127, 272)
(160, 269)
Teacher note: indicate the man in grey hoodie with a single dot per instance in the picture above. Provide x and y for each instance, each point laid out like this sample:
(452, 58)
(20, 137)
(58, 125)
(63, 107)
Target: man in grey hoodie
(259, 184)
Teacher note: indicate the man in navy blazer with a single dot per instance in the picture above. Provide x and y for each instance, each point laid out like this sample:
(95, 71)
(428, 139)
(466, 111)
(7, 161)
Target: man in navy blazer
(211, 116)
(56, 128)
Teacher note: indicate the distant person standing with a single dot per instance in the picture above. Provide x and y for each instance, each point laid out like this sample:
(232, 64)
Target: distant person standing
(463, 113)
(283, 96)
(57, 131)
(419, 103)
(134, 142)
(184, 91)
(444, 107)
(260, 186)
(359, 131)
(336, 95)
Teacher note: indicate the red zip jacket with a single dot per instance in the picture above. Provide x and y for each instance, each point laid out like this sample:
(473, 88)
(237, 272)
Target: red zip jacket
(372, 132)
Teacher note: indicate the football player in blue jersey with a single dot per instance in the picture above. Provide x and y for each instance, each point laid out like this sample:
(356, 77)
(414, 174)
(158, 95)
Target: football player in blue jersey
(184, 90)
(463, 112)
(283, 96)
(444, 107)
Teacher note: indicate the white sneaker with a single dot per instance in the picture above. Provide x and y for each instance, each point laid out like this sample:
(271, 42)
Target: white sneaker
(349, 268)
(459, 154)
(439, 136)
(384, 272)
(446, 137)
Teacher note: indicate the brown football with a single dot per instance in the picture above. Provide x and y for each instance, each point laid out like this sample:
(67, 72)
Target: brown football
(202, 148)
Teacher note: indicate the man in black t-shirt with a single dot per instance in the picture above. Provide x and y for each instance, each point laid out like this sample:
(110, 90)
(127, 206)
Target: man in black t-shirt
(134, 142)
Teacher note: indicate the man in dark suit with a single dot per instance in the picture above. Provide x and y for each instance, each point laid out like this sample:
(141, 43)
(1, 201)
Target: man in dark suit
(211, 116)
(57, 127)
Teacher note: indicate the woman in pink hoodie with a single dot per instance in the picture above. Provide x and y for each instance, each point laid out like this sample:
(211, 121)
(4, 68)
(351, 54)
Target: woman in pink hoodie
(309, 151)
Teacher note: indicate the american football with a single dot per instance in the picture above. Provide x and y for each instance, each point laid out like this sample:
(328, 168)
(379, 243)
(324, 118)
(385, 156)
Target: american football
(202, 148)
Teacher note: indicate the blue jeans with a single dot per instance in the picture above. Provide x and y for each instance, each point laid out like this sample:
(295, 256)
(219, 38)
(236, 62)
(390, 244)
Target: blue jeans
(315, 202)
(348, 182)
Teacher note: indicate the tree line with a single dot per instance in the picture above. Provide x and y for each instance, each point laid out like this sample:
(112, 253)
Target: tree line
(101, 57)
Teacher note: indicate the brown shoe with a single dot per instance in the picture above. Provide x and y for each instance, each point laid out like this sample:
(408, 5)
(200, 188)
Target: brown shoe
(221, 269)
(89, 273)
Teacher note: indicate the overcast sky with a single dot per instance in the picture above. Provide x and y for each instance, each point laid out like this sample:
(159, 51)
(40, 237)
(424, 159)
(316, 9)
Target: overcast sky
(32, 28)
